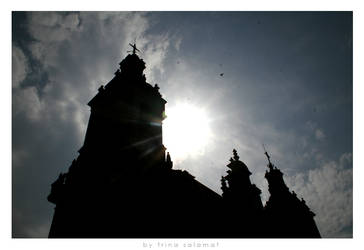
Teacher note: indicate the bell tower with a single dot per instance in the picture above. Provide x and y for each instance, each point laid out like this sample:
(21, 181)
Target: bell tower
(122, 147)
(126, 117)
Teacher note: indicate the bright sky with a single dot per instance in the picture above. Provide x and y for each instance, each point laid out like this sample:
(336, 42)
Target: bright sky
(287, 83)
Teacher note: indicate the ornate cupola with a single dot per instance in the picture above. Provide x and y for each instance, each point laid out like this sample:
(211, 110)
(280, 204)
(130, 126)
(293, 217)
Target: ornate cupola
(237, 188)
(241, 199)
(238, 175)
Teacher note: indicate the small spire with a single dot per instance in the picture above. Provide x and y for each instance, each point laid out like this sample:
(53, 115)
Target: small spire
(169, 162)
(236, 156)
(270, 165)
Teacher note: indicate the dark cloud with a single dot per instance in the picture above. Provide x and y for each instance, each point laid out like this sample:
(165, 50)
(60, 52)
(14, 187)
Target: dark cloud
(286, 81)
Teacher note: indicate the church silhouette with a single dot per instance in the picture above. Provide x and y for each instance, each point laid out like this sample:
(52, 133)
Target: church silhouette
(123, 185)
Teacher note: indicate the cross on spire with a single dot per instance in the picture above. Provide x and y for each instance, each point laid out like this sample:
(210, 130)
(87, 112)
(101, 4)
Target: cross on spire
(268, 156)
(134, 47)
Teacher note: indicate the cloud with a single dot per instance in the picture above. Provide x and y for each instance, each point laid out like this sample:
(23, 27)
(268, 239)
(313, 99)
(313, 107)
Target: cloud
(25, 226)
(328, 191)
(319, 134)
(177, 43)
(155, 53)
(20, 66)
(52, 26)
(26, 102)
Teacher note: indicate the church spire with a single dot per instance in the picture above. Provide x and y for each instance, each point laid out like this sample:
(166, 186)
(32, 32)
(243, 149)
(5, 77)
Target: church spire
(270, 165)
(274, 177)
(289, 216)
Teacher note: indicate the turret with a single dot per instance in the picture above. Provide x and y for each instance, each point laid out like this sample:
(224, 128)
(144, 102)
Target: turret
(286, 215)
(275, 178)
(236, 185)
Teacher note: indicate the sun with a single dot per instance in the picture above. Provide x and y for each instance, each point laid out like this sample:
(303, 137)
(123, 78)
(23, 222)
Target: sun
(186, 131)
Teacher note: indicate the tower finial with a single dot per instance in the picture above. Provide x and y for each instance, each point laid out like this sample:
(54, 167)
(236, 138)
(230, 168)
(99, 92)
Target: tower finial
(134, 48)
(236, 156)
(270, 165)
(169, 162)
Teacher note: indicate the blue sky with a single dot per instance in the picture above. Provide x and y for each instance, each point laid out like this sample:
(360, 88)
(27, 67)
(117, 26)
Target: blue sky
(287, 83)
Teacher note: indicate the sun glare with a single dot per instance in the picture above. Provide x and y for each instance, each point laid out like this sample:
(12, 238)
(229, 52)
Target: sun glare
(186, 131)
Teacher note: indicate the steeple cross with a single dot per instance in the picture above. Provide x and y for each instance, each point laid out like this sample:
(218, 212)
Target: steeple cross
(134, 48)
(268, 156)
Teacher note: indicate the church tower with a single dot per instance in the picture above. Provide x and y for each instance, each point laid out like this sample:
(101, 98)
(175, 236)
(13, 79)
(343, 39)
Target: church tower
(123, 143)
(122, 184)
(242, 199)
(126, 118)
(286, 216)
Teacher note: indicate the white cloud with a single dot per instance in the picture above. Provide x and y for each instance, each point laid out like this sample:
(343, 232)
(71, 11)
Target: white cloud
(155, 54)
(20, 67)
(52, 26)
(328, 191)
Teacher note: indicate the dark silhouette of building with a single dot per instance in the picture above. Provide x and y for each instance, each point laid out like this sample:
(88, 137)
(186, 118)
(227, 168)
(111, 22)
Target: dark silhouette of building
(123, 184)
(240, 197)
(283, 208)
